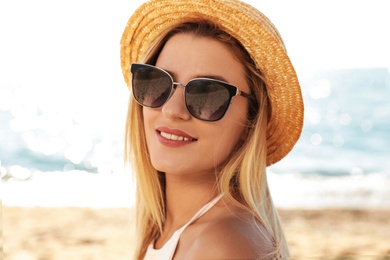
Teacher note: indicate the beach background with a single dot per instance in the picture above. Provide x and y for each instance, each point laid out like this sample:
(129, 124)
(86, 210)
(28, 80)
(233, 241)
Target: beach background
(64, 192)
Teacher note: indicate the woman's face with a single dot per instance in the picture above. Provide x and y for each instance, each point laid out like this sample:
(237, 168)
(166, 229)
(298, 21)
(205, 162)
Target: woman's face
(178, 143)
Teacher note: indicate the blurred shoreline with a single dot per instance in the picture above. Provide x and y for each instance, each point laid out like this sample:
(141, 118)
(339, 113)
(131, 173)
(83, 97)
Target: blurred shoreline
(26, 188)
(80, 215)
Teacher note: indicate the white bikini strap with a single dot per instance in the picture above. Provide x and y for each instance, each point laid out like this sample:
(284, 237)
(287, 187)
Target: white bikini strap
(202, 211)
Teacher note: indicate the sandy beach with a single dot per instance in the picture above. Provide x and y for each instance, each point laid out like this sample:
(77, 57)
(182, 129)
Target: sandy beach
(86, 233)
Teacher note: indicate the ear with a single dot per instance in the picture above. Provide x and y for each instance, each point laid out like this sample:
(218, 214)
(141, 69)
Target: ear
(244, 134)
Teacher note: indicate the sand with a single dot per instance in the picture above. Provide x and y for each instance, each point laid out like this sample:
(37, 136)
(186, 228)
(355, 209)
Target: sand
(85, 233)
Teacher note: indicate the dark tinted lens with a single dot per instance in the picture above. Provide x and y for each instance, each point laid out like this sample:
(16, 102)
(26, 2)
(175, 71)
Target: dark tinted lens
(207, 99)
(151, 86)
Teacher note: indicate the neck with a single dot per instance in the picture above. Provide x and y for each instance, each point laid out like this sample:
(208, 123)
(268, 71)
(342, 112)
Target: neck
(185, 195)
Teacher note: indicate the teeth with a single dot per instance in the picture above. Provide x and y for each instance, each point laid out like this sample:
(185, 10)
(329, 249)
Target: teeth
(174, 137)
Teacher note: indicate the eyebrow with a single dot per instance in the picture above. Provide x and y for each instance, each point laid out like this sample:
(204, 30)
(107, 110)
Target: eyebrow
(208, 76)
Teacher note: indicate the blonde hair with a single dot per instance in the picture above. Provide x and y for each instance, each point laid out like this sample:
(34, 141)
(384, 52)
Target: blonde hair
(243, 177)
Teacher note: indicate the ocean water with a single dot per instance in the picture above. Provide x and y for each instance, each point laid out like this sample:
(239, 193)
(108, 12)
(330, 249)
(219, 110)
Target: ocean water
(70, 153)
(347, 123)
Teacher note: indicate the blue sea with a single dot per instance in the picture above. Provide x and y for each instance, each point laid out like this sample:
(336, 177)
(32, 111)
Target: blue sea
(70, 153)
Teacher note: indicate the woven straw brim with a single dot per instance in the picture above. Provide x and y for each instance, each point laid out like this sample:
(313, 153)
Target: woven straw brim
(253, 30)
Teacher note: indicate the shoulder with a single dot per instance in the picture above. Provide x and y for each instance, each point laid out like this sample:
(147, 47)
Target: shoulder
(234, 235)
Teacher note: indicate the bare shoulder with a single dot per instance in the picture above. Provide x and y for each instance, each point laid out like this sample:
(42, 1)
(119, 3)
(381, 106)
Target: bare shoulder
(233, 234)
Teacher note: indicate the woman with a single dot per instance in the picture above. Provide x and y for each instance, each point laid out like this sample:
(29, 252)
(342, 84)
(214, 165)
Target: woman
(215, 100)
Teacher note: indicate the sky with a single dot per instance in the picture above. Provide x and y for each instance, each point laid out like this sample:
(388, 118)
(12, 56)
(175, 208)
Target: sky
(332, 33)
(77, 42)
(66, 53)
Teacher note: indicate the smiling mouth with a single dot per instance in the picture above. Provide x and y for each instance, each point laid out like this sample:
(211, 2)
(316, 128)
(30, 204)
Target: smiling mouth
(174, 137)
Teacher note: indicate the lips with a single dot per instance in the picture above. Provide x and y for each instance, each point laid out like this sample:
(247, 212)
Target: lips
(174, 135)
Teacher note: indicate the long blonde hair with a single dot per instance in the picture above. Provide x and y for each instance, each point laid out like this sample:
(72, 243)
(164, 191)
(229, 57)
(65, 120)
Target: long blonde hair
(243, 178)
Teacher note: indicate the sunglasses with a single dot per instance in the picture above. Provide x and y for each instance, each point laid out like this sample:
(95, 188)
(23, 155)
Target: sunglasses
(206, 99)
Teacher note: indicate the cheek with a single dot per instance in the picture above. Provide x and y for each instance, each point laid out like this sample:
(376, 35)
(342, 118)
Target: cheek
(234, 131)
(148, 116)
(226, 140)
(147, 121)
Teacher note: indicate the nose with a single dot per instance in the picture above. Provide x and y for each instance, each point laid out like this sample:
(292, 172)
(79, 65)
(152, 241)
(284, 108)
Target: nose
(175, 107)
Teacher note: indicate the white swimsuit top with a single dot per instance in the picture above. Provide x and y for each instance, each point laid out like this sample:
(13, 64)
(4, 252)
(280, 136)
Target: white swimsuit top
(168, 250)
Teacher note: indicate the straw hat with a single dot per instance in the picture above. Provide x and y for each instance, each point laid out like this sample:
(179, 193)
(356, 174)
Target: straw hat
(253, 30)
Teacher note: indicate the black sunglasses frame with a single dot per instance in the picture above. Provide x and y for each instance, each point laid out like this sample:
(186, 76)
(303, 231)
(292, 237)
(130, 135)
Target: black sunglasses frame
(232, 90)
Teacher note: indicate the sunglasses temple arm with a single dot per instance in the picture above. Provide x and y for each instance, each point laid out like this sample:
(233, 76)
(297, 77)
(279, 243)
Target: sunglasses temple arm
(244, 94)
